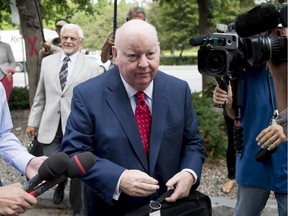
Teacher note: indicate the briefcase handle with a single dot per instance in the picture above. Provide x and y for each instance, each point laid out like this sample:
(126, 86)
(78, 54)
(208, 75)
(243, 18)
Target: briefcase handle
(155, 205)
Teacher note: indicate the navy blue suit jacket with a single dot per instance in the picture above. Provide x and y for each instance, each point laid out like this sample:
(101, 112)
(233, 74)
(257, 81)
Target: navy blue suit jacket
(102, 121)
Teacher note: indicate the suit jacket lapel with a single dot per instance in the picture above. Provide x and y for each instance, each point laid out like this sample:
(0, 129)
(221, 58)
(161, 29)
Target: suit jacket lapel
(123, 111)
(160, 108)
(56, 70)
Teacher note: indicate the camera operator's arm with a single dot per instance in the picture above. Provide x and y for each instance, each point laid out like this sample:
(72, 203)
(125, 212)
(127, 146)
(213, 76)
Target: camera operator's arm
(221, 97)
(279, 74)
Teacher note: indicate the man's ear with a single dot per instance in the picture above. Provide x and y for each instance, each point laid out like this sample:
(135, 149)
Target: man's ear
(281, 32)
(114, 54)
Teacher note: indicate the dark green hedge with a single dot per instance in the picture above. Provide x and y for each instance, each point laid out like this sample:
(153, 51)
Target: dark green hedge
(211, 126)
(19, 98)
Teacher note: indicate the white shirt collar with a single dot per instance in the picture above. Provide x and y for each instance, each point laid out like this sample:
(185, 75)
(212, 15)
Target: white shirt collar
(131, 91)
(72, 57)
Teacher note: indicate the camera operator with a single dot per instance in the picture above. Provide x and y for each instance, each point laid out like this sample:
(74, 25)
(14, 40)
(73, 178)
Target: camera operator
(272, 136)
(256, 179)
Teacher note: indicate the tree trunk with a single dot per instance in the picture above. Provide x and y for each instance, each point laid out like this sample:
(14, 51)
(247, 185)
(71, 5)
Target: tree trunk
(205, 12)
(32, 34)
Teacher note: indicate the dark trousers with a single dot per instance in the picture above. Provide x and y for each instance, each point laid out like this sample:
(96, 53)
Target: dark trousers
(231, 152)
(76, 190)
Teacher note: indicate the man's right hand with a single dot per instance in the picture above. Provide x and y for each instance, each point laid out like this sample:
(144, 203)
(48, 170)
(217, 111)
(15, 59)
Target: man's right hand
(138, 184)
(220, 97)
(111, 40)
(31, 131)
(14, 200)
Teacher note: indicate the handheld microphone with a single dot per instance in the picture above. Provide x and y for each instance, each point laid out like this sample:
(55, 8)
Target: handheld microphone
(198, 40)
(49, 169)
(78, 166)
(257, 20)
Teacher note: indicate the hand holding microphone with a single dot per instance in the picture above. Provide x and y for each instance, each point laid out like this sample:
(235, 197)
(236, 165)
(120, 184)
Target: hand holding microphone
(49, 169)
(77, 166)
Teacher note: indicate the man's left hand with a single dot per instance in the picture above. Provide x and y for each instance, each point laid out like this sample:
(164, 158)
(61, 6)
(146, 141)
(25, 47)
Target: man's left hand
(182, 183)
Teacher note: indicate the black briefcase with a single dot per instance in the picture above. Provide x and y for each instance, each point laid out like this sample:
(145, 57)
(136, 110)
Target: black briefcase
(34, 147)
(196, 204)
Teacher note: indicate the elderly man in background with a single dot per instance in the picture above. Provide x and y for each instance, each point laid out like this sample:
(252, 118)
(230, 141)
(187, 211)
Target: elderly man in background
(60, 73)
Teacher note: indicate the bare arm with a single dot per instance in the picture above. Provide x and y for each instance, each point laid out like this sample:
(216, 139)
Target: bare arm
(106, 50)
(33, 166)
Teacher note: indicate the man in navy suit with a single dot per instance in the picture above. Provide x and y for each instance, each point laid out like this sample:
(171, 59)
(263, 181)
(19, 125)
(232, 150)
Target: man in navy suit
(102, 121)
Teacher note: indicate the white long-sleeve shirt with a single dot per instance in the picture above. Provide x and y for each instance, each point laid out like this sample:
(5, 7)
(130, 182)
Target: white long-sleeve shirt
(11, 150)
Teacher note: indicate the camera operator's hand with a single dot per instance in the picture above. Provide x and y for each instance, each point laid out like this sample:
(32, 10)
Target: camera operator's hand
(221, 97)
(271, 137)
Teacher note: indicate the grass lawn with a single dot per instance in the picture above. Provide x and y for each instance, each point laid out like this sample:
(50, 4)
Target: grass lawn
(188, 52)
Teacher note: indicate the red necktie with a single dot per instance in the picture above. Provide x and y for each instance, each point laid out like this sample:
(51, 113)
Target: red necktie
(143, 119)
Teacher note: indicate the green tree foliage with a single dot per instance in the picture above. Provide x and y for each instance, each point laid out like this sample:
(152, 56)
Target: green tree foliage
(176, 24)
(50, 9)
(176, 21)
(99, 26)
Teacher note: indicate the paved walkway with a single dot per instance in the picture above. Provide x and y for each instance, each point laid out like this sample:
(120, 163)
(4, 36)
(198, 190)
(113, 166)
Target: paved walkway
(221, 207)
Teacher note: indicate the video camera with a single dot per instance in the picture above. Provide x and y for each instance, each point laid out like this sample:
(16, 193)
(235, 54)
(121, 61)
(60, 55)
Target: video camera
(240, 45)
(235, 48)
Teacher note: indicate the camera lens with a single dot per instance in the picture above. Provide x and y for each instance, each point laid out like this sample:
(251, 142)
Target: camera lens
(213, 62)
(278, 49)
(262, 49)
(216, 62)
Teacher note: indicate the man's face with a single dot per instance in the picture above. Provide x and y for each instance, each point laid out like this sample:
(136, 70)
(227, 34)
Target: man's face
(138, 60)
(70, 41)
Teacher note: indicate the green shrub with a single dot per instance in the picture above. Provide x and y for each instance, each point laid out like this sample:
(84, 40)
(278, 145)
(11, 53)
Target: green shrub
(176, 60)
(19, 98)
(211, 127)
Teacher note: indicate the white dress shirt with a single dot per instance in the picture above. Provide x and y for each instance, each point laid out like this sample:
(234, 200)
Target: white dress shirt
(70, 63)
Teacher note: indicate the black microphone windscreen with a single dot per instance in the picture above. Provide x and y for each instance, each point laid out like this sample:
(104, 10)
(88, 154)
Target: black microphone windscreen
(54, 166)
(40, 189)
(198, 40)
(80, 164)
(257, 20)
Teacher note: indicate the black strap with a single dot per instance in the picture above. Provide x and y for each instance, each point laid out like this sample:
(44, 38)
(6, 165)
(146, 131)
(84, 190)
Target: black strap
(275, 111)
(165, 195)
(157, 203)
